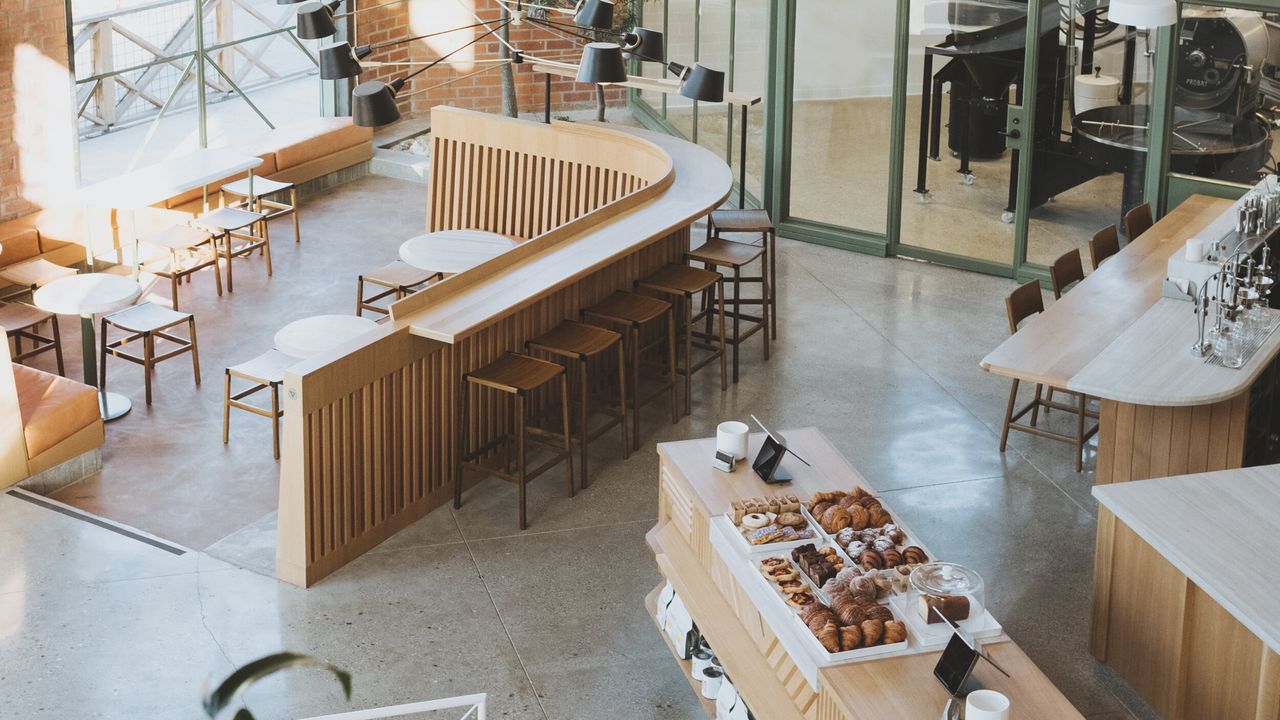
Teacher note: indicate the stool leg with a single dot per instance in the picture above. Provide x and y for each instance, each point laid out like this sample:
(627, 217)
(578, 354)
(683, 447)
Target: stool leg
(461, 447)
(174, 278)
(724, 360)
(148, 362)
(226, 246)
(1080, 433)
(764, 302)
(737, 313)
(293, 202)
(773, 283)
(57, 344)
(217, 274)
(582, 431)
(359, 296)
(275, 419)
(266, 245)
(687, 301)
(622, 401)
(195, 349)
(1036, 409)
(1008, 414)
(568, 437)
(102, 356)
(634, 334)
(520, 459)
(226, 407)
(671, 364)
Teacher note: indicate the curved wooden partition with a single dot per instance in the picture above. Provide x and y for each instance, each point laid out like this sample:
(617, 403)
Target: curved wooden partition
(370, 427)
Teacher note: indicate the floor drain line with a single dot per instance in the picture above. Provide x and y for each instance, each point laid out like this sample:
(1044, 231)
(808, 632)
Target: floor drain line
(95, 520)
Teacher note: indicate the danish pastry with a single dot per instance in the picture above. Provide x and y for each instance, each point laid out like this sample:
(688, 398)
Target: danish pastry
(872, 631)
(801, 599)
(850, 637)
(783, 573)
(791, 587)
(894, 632)
(773, 562)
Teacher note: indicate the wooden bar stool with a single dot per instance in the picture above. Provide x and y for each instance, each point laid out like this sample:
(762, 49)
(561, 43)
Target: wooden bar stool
(398, 278)
(146, 322)
(188, 251)
(634, 315)
(577, 345)
(682, 283)
(22, 322)
(230, 224)
(517, 376)
(752, 221)
(1103, 244)
(717, 253)
(265, 372)
(262, 200)
(1065, 271)
(1137, 221)
(1020, 305)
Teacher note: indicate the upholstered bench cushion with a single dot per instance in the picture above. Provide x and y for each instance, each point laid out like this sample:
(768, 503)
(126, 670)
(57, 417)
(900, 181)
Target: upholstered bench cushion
(314, 138)
(21, 245)
(53, 408)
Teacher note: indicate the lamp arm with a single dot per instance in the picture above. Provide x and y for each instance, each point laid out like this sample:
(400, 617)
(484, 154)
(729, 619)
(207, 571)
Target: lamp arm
(520, 6)
(454, 80)
(446, 56)
(399, 41)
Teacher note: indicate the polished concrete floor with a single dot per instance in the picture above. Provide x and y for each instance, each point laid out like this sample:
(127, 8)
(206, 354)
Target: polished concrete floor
(882, 355)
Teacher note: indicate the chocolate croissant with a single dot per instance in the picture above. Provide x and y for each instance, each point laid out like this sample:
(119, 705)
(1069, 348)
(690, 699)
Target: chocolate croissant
(892, 558)
(852, 614)
(913, 555)
(872, 631)
(870, 560)
(881, 613)
(850, 637)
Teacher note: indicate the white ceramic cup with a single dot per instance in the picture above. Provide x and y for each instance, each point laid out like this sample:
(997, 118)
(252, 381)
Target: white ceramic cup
(731, 438)
(1195, 250)
(711, 678)
(986, 705)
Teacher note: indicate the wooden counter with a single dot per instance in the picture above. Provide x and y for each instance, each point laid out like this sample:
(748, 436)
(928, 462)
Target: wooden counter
(1114, 337)
(690, 494)
(1188, 610)
(370, 427)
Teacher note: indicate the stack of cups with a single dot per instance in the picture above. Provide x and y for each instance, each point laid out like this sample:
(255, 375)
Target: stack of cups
(731, 439)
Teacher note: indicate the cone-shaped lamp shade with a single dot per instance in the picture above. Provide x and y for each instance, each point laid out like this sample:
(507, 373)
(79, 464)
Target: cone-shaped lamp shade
(1143, 13)
(315, 21)
(339, 61)
(651, 48)
(596, 14)
(373, 103)
(602, 63)
(703, 83)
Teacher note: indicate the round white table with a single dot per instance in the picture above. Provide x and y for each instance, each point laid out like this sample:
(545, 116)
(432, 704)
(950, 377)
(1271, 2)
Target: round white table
(313, 335)
(453, 251)
(87, 295)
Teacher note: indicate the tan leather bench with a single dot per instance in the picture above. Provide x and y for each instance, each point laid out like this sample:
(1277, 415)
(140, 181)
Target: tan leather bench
(45, 420)
(27, 241)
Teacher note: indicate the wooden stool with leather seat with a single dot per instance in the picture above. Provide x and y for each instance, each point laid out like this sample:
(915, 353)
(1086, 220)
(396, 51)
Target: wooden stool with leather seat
(22, 322)
(1137, 221)
(718, 253)
(147, 322)
(188, 250)
(1023, 303)
(398, 278)
(264, 372)
(752, 221)
(682, 283)
(1103, 244)
(578, 346)
(636, 316)
(516, 376)
(230, 224)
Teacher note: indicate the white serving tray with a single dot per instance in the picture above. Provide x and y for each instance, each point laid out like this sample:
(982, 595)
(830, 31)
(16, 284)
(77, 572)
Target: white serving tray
(980, 624)
(818, 537)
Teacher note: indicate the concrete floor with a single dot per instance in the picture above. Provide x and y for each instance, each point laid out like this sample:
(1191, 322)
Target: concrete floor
(880, 354)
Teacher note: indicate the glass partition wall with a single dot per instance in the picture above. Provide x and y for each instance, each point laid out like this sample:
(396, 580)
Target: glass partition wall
(993, 135)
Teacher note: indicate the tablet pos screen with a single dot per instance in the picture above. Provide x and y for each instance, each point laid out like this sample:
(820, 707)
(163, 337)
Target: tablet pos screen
(956, 663)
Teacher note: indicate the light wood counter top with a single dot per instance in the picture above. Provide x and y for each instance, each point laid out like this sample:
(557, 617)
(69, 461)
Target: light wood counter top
(1220, 529)
(1072, 332)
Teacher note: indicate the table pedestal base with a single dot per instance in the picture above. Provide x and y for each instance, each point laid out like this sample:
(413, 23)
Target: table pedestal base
(113, 405)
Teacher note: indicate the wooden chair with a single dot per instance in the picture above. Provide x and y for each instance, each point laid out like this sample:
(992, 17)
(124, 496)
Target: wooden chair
(717, 253)
(577, 346)
(22, 322)
(635, 316)
(1065, 271)
(1137, 221)
(188, 250)
(1103, 244)
(146, 322)
(1023, 303)
(230, 224)
(264, 199)
(752, 221)
(397, 278)
(516, 376)
(682, 283)
(264, 372)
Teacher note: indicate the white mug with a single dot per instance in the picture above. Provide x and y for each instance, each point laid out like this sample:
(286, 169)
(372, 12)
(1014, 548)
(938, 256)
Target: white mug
(731, 438)
(1195, 250)
(986, 705)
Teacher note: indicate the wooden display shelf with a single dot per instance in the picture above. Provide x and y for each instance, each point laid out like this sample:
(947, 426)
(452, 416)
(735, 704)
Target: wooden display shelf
(686, 667)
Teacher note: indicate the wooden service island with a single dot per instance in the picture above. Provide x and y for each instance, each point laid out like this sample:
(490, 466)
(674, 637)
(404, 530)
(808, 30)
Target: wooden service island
(775, 684)
(370, 427)
(1192, 607)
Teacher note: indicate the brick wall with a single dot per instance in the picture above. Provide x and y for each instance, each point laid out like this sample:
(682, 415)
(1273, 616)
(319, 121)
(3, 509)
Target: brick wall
(479, 92)
(37, 133)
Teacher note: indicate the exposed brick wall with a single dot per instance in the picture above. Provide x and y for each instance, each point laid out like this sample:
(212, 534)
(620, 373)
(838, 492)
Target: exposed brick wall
(479, 92)
(37, 134)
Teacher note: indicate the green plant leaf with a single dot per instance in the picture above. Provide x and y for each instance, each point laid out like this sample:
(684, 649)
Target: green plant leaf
(222, 696)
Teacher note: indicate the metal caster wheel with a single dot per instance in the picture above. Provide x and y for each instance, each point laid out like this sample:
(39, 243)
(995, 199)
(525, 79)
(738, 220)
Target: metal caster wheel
(1006, 217)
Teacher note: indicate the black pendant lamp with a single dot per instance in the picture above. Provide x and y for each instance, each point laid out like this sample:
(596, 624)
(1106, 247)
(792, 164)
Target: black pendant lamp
(602, 63)
(339, 61)
(373, 103)
(288, 2)
(596, 14)
(315, 20)
(648, 46)
(703, 84)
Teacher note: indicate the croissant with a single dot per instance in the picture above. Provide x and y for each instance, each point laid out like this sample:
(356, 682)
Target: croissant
(867, 501)
(818, 509)
(913, 554)
(862, 585)
(892, 558)
(846, 501)
(850, 637)
(894, 632)
(879, 517)
(872, 631)
(858, 492)
(810, 611)
(835, 519)
(858, 517)
(829, 636)
(870, 560)
(852, 614)
(881, 613)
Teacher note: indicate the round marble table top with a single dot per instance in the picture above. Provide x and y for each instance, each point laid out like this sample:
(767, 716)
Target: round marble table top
(313, 335)
(454, 251)
(87, 294)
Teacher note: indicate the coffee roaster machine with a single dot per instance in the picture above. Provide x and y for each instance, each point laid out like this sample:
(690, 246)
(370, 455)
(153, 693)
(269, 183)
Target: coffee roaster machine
(1226, 96)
